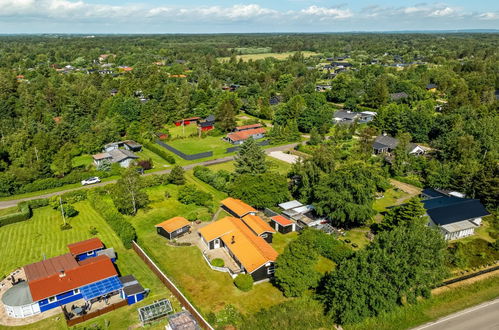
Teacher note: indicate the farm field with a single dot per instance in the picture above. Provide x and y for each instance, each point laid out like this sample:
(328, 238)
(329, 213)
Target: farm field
(278, 56)
(40, 236)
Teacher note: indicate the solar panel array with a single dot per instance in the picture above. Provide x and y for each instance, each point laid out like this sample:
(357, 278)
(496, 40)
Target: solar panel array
(101, 288)
(155, 311)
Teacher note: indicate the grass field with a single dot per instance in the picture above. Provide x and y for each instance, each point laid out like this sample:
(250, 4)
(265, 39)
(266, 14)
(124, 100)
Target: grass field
(389, 198)
(275, 165)
(180, 131)
(278, 56)
(29, 241)
(158, 162)
(82, 160)
(196, 145)
(8, 210)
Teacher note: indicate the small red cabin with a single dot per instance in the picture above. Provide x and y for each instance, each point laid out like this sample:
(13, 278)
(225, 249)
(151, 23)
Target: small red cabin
(187, 121)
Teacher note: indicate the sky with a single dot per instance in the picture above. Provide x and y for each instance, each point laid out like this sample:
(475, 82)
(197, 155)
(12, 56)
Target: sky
(243, 16)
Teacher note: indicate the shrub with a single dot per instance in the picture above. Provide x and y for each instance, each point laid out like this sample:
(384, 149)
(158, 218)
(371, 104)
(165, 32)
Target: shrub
(93, 231)
(177, 176)
(146, 164)
(25, 211)
(218, 180)
(217, 262)
(74, 196)
(244, 282)
(190, 195)
(66, 226)
(160, 152)
(69, 210)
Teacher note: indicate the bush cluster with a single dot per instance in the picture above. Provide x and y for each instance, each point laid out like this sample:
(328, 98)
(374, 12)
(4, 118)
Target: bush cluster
(217, 180)
(49, 183)
(124, 230)
(160, 152)
(244, 282)
(188, 194)
(217, 262)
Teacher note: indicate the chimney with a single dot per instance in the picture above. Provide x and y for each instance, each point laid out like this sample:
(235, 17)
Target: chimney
(62, 273)
(233, 240)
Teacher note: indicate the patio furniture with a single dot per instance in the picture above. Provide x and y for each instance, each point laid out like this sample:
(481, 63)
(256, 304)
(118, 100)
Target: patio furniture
(78, 310)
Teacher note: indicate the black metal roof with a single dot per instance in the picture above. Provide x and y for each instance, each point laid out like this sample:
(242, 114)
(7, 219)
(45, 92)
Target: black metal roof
(432, 193)
(447, 210)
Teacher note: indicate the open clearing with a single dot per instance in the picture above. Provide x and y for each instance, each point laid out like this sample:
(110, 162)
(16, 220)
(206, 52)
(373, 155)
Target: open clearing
(278, 56)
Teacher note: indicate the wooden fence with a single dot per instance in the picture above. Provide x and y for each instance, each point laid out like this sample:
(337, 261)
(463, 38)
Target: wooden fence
(169, 284)
(99, 312)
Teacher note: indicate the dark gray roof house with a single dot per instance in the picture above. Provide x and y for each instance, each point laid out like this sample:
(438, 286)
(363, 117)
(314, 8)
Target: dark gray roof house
(386, 144)
(345, 116)
(456, 217)
(398, 96)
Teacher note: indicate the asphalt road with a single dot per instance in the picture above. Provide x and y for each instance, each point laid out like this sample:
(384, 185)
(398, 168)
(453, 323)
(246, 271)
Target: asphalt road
(481, 317)
(14, 202)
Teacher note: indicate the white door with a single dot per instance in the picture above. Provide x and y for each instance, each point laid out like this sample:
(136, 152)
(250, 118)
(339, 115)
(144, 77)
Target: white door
(216, 243)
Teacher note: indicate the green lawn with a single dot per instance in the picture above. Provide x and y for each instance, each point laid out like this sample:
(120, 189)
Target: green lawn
(82, 160)
(158, 162)
(280, 241)
(194, 145)
(274, 165)
(187, 130)
(40, 236)
(389, 198)
(278, 56)
(433, 308)
(9, 210)
(358, 236)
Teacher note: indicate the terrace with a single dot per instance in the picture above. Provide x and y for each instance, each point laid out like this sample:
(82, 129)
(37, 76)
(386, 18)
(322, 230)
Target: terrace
(81, 310)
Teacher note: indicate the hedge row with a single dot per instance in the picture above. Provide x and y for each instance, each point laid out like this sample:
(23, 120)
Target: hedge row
(160, 152)
(125, 231)
(49, 183)
(24, 211)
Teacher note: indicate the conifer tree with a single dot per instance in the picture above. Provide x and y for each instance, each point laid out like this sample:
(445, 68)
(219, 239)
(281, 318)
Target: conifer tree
(250, 158)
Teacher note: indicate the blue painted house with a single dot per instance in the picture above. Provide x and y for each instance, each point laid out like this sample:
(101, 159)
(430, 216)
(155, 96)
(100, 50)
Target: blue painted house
(86, 249)
(84, 275)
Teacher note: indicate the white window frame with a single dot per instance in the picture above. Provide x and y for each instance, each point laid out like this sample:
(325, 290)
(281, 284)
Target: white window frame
(76, 291)
(271, 270)
(264, 235)
(52, 299)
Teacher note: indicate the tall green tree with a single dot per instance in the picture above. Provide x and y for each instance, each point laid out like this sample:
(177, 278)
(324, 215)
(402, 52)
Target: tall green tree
(412, 211)
(400, 265)
(127, 194)
(226, 115)
(346, 195)
(250, 158)
(177, 175)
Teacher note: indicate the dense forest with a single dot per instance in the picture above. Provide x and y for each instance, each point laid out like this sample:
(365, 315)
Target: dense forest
(57, 103)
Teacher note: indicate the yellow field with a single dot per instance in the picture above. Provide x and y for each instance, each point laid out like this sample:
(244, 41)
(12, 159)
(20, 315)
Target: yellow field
(279, 56)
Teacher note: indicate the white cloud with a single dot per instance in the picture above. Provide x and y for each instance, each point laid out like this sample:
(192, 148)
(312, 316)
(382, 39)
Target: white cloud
(327, 13)
(489, 16)
(447, 11)
(80, 11)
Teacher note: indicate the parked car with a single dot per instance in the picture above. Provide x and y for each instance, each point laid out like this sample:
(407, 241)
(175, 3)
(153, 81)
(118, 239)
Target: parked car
(90, 181)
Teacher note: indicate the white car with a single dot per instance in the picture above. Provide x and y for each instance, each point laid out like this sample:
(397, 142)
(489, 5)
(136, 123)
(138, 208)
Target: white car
(90, 181)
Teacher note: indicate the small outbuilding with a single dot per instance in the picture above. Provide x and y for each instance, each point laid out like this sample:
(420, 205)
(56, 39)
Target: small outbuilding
(173, 227)
(282, 224)
(86, 249)
(132, 290)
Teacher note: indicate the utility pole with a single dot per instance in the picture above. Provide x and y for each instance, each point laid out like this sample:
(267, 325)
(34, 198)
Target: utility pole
(62, 210)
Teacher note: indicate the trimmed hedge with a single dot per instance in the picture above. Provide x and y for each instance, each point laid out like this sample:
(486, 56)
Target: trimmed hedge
(25, 211)
(217, 262)
(125, 231)
(244, 282)
(49, 183)
(160, 152)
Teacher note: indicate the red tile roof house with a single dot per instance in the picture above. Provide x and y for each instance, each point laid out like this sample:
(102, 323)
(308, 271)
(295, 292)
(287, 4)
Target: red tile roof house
(239, 137)
(61, 280)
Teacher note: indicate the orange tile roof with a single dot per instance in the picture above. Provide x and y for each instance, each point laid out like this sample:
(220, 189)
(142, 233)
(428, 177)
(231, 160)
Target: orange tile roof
(238, 128)
(255, 223)
(251, 250)
(173, 224)
(243, 135)
(282, 220)
(85, 246)
(72, 279)
(237, 206)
